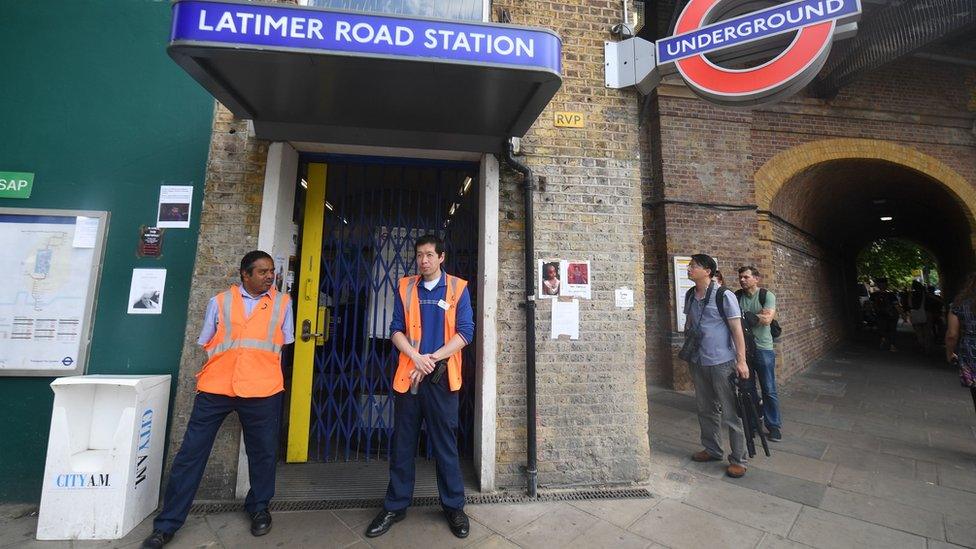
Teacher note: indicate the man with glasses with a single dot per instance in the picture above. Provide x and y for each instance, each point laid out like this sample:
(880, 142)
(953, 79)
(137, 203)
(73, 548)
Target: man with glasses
(721, 352)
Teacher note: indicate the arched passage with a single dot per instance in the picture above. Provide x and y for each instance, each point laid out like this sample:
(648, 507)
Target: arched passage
(822, 202)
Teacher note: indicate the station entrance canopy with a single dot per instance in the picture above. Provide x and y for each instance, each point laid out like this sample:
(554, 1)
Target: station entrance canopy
(310, 74)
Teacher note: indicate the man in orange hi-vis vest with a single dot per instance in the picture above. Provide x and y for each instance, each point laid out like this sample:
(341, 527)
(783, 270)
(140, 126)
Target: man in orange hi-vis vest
(244, 329)
(432, 322)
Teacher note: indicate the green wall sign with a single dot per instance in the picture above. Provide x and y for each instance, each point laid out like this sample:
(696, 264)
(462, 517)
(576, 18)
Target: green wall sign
(16, 184)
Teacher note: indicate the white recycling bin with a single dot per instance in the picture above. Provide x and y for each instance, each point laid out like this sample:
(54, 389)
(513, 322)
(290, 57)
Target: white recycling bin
(104, 455)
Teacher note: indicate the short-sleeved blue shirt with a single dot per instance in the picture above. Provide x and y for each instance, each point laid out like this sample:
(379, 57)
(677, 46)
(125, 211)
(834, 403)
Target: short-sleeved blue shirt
(716, 346)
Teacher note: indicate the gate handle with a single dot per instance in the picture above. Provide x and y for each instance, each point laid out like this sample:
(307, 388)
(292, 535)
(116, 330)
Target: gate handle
(307, 330)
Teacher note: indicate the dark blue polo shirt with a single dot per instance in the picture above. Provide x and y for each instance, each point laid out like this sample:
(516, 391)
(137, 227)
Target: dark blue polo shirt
(432, 316)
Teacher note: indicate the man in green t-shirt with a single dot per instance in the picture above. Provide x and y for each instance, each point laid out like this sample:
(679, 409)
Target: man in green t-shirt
(762, 302)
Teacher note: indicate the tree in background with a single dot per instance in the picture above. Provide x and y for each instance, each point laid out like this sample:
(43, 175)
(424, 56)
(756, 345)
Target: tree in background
(896, 259)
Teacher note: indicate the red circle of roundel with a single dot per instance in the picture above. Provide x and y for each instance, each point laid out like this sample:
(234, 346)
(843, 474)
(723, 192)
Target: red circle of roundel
(805, 48)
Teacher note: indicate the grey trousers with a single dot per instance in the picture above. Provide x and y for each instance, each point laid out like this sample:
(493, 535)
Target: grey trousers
(716, 407)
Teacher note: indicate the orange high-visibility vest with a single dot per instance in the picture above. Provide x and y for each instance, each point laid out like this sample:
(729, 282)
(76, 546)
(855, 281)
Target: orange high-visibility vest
(245, 352)
(410, 299)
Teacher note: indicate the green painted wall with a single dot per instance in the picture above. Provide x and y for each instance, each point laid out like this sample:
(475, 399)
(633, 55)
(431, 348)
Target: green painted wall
(91, 103)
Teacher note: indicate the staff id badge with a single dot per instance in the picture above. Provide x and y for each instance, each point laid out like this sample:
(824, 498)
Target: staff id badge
(443, 304)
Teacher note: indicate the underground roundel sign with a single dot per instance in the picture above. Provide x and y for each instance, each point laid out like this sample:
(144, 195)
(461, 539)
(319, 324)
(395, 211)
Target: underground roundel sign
(719, 27)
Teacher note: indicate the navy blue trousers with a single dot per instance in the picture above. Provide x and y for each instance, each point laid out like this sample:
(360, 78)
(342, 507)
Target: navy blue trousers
(438, 406)
(260, 419)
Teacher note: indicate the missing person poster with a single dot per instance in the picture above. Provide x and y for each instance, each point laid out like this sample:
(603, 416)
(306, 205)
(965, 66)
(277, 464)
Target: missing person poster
(576, 279)
(146, 291)
(548, 273)
(174, 206)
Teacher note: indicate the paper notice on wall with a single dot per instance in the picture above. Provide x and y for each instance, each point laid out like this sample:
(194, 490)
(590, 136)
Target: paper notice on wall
(576, 279)
(565, 319)
(146, 291)
(174, 206)
(624, 298)
(86, 232)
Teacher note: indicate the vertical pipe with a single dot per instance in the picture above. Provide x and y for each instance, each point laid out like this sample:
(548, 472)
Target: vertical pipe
(531, 468)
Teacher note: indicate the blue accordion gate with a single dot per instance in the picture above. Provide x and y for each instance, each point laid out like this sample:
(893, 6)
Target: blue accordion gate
(374, 211)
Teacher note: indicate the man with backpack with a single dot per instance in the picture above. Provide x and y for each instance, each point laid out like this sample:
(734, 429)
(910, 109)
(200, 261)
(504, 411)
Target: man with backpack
(714, 349)
(762, 302)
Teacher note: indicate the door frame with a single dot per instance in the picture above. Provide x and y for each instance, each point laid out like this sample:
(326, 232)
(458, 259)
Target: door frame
(275, 233)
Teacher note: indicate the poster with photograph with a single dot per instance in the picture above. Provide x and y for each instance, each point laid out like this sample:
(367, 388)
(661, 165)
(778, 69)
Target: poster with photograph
(548, 273)
(174, 206)
(576, 279)
(146, 291)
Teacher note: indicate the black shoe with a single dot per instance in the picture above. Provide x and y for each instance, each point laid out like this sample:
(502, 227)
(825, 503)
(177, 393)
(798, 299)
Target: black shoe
(157, 539)
(260, 523)
(774, 434)
(458, 521)
(383, 522)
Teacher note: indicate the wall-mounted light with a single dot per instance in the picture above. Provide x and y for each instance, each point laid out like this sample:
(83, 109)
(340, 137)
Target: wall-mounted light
(329, 206)
(304, 184)
(887, 218)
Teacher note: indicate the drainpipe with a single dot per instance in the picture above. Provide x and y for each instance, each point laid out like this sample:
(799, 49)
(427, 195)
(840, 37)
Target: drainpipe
(531, 469)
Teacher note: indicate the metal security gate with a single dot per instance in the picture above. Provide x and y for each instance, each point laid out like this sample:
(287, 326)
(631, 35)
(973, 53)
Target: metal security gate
(374, 211)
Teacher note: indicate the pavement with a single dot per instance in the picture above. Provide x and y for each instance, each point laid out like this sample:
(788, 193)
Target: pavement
(879, 450)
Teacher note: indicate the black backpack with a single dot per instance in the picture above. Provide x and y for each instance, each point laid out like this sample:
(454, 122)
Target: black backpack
(774, 328)
(750, 338)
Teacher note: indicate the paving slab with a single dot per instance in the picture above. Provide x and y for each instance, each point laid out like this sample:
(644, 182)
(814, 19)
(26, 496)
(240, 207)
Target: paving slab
(783, 486)
(793, 465)
(876, 463)
(884, 512)
(619, 512)
(795, 442)
(960, 478)
(745, 506)
(603, 534)
(495, 541)
(843, 438)
(560, 525)
(822, 529)
(772, 541)
(681, 526)
(294, 529)
(507, 518)
(821, 419)
(922, 495)
(961, 530)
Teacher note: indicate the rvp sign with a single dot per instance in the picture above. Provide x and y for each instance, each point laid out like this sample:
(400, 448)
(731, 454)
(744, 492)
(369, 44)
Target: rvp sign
(16, 184)
(807, 28)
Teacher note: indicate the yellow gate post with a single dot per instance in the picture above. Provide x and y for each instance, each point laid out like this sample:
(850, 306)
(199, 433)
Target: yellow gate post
(300, 409)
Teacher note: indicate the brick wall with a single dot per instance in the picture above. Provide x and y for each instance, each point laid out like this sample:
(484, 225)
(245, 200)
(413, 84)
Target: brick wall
(592, 410)
(709, 154)
(229, 223)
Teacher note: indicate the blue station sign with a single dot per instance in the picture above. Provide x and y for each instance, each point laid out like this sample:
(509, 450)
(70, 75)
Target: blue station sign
(754, 27)
(307, 29)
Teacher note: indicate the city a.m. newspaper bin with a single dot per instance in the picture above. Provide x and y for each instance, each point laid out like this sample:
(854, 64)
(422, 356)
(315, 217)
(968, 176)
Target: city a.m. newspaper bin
(104, 455)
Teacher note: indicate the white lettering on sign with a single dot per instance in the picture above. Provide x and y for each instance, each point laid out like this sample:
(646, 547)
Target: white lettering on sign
(771, 22)
(251, 23)
(313, 28)
(12, 184)
(477, 42)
